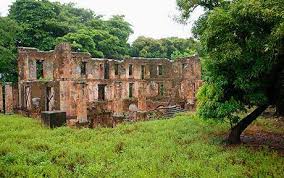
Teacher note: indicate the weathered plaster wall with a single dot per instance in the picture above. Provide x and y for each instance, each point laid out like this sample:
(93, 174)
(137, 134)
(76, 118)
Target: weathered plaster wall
(73, 99)
(33, 97)
(164, 82)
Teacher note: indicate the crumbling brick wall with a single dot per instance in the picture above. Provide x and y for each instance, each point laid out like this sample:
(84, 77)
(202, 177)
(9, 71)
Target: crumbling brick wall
(37, 96)
(83, 85)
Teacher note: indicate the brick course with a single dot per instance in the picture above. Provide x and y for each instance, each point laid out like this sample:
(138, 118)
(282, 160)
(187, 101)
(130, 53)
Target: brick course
(79, 81)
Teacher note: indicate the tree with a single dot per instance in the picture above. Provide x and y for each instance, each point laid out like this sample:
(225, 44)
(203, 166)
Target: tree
(178, 47)
(118, 27)
(184, 54)
(111, 46)
(99, 43)
(243, 61)
(38, 21)
(8, 30)
(186, 7)
(148, 47)
(43, 24)
(170, 48)
(46, 23)
(43, 21)
(81, 41)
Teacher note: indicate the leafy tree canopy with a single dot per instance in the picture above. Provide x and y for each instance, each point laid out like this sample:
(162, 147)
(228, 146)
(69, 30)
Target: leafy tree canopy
(47, 23)
(170, 48)
(243, 43)
(43, 24)
(186, 7)
(8, 30)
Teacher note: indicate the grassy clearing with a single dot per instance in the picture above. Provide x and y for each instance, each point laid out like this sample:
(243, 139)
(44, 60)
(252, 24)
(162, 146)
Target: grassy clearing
(181, 147)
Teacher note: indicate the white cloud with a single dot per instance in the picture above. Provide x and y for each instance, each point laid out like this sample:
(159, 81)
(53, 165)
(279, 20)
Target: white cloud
(4, 6)
(152, 18)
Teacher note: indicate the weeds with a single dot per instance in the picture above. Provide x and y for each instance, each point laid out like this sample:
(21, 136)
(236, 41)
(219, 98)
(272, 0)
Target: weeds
(181, 147)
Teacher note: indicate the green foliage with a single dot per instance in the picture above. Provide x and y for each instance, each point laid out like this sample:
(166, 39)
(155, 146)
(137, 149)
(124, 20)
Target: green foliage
(200, 25)
(46, 24)
(81, 41)
(8, 30)
(170, 48)
(118, 27)
(39, 22)
(186, 7)
(240, 42)
(183, 145)
(148, 47)
(178, 54)
(99, 43)
(43, 24)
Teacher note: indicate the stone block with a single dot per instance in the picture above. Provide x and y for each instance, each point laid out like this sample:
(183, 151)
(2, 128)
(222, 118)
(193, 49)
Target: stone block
(141, 116)
(53, 119)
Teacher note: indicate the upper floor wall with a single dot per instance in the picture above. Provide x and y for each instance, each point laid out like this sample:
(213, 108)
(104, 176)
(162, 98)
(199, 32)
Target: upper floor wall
(63, 64)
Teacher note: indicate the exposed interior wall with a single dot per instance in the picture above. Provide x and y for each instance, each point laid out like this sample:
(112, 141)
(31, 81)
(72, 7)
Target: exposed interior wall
(37, 96)
(86, 87)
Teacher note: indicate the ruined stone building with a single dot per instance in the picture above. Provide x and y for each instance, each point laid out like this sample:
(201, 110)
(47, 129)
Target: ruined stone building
(99, 90)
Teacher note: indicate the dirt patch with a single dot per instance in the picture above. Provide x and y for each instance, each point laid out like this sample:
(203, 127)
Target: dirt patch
(257, 136)
(263, 133)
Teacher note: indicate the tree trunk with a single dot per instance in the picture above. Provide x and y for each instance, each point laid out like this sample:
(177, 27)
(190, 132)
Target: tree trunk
(280, 83)
(280, 95)
(280, 108)
(236, 131)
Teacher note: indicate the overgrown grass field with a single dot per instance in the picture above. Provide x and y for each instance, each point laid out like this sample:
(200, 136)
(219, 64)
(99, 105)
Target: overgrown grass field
(184, 146)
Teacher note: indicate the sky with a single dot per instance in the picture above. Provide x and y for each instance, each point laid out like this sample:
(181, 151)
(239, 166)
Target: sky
(150, 18)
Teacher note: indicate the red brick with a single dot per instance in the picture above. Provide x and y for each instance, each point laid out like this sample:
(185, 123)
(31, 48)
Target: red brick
(77, 93)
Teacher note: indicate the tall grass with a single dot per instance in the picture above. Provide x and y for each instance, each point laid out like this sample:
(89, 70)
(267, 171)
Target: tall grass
(181, 147)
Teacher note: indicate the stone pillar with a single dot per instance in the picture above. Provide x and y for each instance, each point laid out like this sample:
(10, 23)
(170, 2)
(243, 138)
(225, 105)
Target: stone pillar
(117, 99)
(81, 103)
(63, 63)
(8, 98)
(1, 98)
(142, 104)
(15, 90)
